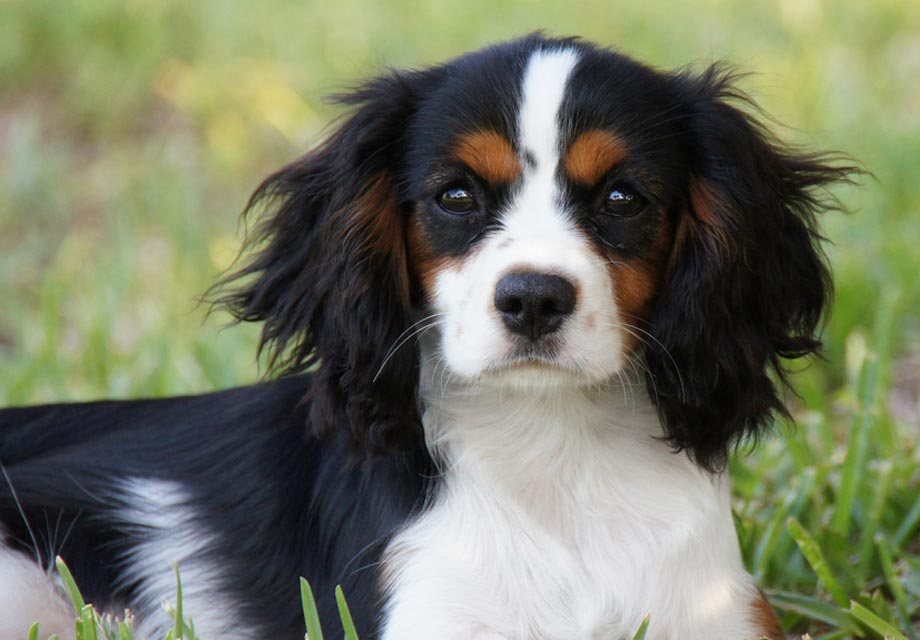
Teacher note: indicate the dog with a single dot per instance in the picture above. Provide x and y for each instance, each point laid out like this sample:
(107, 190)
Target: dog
(521, 306)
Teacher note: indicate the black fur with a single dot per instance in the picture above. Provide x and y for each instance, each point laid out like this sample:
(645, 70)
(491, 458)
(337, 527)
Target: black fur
(748, 283)
(322, 291)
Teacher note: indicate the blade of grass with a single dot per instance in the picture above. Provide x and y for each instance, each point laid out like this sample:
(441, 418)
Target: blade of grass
(348, 624)
(178, 624)
(908, 525)
(643, 629)
(894, 584)
(33, 631)
(872, 520)
(813, 609)
(815, 557)
(791, 503)
(88, 623)
(875, 623)
(310, 614)
(75, 597)
(857, 450)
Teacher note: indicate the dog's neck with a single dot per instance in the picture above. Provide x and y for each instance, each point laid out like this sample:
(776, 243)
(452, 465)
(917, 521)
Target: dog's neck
(570, 496)
(555, 448)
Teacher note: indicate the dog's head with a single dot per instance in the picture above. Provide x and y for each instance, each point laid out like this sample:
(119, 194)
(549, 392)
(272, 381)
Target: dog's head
(551, 213)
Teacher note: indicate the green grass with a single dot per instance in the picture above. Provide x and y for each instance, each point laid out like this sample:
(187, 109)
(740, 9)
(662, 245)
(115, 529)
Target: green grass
(89, 625)
(132, 133)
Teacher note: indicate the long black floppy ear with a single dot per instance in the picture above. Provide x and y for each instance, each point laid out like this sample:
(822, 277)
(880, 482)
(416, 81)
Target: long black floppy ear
(328, 276)
(747, 284)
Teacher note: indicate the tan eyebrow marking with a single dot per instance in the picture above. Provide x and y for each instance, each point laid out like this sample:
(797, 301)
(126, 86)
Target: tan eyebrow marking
(593, 154)
(489, 154)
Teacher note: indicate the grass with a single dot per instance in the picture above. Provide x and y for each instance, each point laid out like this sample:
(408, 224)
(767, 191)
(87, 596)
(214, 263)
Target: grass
(131, 134)
(89, 625)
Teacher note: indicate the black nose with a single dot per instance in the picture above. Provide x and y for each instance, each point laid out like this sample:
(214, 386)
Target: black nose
(534, 304)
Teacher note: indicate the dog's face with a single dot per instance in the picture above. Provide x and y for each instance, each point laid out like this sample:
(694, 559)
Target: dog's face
(544, 213)
(542, 219)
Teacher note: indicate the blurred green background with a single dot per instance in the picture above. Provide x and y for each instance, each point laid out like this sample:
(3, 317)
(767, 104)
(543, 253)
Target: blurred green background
(132, 132)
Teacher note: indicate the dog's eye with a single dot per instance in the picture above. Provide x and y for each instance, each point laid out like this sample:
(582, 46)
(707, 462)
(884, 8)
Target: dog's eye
(457, 200)
(623, 202)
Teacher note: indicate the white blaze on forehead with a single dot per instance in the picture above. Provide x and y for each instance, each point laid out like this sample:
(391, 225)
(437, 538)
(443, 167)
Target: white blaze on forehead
(535, 213)
(545, 78)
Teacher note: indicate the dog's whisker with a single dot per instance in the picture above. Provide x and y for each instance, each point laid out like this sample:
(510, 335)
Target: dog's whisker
(412, 332)
(643, 336)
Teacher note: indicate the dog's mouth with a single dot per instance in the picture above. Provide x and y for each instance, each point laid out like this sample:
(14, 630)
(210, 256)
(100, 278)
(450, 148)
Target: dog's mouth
(526, 363)
(532, 375)
(534, 363)
(543, 353)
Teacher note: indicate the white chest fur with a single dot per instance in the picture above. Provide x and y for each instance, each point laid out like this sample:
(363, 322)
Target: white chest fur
(561, 516)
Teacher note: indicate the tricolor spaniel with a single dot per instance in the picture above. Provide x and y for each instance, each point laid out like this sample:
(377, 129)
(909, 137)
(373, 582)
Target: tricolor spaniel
(524, 304)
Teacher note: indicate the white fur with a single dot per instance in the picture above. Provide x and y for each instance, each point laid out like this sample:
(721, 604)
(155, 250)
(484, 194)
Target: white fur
(30, 594)
(560, 514)
(536, 235)
(157, 510)
(543, 90)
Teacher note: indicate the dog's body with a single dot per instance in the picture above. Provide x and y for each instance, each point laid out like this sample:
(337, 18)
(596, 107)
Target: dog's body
(546, 289)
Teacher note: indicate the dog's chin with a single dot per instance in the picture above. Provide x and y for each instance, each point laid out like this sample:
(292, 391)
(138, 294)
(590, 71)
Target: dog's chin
(548, 366)
(531, 374)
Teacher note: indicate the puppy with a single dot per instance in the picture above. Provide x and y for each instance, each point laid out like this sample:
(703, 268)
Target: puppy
(522, 305)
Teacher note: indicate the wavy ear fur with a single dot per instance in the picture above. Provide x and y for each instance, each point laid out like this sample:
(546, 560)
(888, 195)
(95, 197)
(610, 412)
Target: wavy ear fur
(329, 278)
(747, 283)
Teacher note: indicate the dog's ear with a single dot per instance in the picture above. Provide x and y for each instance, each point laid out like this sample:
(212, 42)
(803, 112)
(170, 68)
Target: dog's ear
(747, 282)
(328, 277)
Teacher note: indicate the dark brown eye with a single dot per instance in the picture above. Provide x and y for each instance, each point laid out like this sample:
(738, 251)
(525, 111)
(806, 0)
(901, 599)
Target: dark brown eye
(457, 200)
(623, 202)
